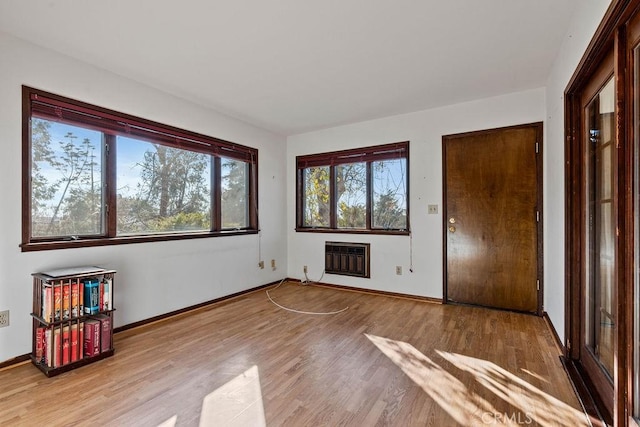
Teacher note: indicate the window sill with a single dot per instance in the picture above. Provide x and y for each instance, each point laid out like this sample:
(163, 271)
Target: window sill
(122, 240)
(353, 231)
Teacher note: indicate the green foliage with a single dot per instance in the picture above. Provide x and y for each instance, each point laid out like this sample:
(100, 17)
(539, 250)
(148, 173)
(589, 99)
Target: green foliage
(387, 214)
(66, 194)
(184, 221)
(389, 194)
(316, 198)
(234, 194)
(172, 193)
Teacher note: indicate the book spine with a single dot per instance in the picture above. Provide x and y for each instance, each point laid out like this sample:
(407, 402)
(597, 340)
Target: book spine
(101, 296)
(48, 347)
(96, 338)
(105, 338)
(47, 307)
(75, 300)
(39, 345)
(57, 347)
(65, 336)
(106, 303)
(57, 301)
(74, 343)
(91, 338)
(81, 297)
(91, 297)
(66, 301)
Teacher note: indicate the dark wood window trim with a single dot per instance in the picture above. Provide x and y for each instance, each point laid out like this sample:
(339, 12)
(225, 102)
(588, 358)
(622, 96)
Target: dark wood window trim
(367, 155)
(611, 36)
(40, 104)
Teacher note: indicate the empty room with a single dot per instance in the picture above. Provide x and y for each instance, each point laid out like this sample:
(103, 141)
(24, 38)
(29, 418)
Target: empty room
(320, 213)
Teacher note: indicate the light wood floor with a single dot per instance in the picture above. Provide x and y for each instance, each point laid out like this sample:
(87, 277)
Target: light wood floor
(384, 361)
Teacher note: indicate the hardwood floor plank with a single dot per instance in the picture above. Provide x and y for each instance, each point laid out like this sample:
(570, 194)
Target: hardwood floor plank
(384, 361)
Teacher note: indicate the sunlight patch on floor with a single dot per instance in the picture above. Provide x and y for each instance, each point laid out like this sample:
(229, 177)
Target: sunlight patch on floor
(171, 422)
(545, 409)
(473, 404)
(236, 403)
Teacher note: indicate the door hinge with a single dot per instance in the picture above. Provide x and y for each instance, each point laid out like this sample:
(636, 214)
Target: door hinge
(568, 345)
(106, 148)
(538, 284)
(537, 147)
(537, 216)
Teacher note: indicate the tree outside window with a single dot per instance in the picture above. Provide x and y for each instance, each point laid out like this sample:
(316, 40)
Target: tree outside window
(354, 190)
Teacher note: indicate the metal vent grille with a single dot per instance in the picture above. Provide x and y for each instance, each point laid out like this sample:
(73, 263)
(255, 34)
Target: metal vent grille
(349, 259)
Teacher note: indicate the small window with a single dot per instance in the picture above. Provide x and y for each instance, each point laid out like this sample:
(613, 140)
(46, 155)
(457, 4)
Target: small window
(162, 189)
(351, 195)
(66, 180)
(96, 177)
(359, 190)
(389, 194)
(235, 194)
(316, 196)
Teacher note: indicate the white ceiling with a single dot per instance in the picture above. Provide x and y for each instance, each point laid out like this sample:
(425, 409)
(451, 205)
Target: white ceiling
(292, 66)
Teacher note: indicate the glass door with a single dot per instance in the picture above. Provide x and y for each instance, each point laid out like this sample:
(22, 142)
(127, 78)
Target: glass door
(598, 314)
(600, 228)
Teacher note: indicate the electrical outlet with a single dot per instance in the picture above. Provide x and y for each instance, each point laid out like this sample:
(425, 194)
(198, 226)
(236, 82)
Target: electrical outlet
(304, 269)
(4, 318)
(273, 264)
(399, 270)
(261, 264)
(432, 209)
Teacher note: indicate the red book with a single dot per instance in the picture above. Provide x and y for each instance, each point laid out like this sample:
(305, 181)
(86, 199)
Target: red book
(76, 339)
(66, 345)
(56, 347)
(40, 345)
(91, 339)
(105, 336)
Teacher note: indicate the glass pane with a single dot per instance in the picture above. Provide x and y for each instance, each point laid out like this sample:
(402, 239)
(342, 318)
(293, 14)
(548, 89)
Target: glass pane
(351, 194)
(316, 197)
(235, 194)
(66, 185)
(389, 194)
(600, 226)
(161, 189)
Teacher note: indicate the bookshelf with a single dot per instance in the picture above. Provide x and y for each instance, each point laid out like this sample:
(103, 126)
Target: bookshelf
(72, 318)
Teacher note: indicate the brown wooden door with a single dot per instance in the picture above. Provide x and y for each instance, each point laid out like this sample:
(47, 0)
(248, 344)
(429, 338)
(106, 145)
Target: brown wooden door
(491, 219)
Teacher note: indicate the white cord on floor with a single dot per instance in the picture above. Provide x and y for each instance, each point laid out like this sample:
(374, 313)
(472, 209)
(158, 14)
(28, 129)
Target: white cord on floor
(307, 280)
(298, 311)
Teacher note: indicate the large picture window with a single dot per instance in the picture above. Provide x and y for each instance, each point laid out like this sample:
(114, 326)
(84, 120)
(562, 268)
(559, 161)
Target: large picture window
(93, 176)
(361, 190)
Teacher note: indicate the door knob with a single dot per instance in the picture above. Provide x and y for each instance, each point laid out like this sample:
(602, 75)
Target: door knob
(452, 220)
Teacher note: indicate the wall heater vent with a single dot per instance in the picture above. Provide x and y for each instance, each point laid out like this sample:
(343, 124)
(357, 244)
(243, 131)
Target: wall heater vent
(349, 259)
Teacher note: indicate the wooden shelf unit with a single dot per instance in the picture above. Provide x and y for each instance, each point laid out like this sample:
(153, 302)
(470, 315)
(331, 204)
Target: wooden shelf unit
(59, 327)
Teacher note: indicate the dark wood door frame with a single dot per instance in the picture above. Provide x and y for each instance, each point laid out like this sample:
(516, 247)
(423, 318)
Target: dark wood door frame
(539, 203)
(611, 37)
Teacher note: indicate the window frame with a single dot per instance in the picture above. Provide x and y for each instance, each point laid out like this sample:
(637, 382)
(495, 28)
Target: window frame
(368, 155)
(44, 105)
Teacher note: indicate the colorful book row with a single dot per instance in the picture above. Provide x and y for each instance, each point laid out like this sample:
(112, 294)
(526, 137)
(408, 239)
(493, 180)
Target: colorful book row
(57, 346)
(64, 300)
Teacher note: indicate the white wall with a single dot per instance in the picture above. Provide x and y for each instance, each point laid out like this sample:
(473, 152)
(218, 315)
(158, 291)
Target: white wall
(153, 278)
(580, 31)
(424, 130)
